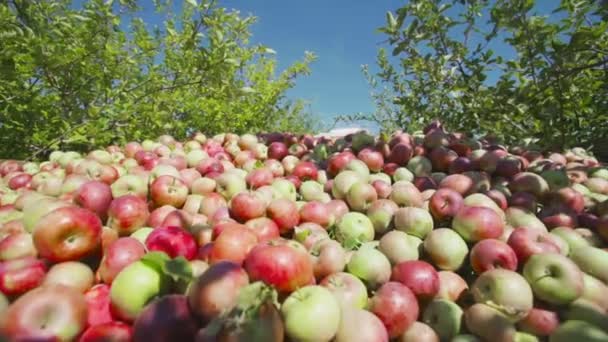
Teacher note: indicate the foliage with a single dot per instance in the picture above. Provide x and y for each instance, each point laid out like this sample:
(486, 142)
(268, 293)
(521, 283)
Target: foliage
(73, 77)
(441, 63)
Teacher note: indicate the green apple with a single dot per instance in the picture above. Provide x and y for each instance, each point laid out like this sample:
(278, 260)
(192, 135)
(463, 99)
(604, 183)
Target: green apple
(524, 337)
(285, 189)
(572, 238)
(371, 266)
(129, 185)
(489, 323)
(343, 182)
(554, 278)
(354, 228)
(592, 261)
(311, 190)
(380, 176)
(141, 234)
(360, 168)
(414, 221)
(518, 217)
(419, 332)
(481, 200)
(33, 212)
(505, 291)
(570, 331)
(399, 246)
(134, 287)
(595, 291)
(444, 317)
(311, 314)
(403, 174)
(584, 310)
(446, 249)
(229, 185)
(420, 166)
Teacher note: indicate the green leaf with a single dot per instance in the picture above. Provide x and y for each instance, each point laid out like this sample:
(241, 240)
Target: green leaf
(192, 2)
(178, 269)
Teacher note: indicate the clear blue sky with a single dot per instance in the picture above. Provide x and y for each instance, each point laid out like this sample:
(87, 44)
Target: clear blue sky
(341, 33)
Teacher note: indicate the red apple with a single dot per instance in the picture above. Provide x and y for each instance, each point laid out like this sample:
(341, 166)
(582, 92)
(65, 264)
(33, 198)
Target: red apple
(264, 228)
(168, 190)
(172, 240)
(19, 276)
(396, 306)
(48, 313)
(110, 331)
(305, 170)
(95, 196)
(445, 203)
(419, 276)
(451, 286)
(233, 244)
(246, 206)
(372, 158)
(316, 212)
(526, 242)
(98, 305)
(68, 233)
(215, 291)
(284, 264)
(127, 213)
(119, 255)
(284, 213)
(489, 254)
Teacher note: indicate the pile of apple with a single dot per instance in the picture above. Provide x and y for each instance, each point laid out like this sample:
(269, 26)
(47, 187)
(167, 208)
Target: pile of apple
(429, 236)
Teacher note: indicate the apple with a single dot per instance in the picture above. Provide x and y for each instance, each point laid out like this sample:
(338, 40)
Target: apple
(203, 186)
(519, 217)
(360, 196)
(554, 278)
(524, 200)
(17, 245)
(529, 182)
(338, 162)
(130, 184)
(592, 261)
(98, 305)
(315, 305)
(259, 177)
(405, 194)
(95, 196)
(284, 264)
(328, 257)
(48, 313)
(371, 266)
(112, 331)
(67, 233)
(594, 291)
(284, 213)
(504, 290)
(349, 291)
(284, 189)
(233, 243)
(277, 150)
(119, 255)
(73, 274)
(489, 323)
(539, 322)
(127, 213)
(419, 276)
(489, 254)
(168, 190)
(316, 212)
(380, 213)
(574, 330)
(357, 325)
(414, 221)
(527, 242)
(343, 182)
(354, 228)
(478, 223)
(305, 170)
(211, 203)
(246, 206)
(444, 318)
(445, 249)
(372, 158)
(134, 287)
(229, 185)
(19, 276)
(398, 246)
(445, 204)
(396, 306)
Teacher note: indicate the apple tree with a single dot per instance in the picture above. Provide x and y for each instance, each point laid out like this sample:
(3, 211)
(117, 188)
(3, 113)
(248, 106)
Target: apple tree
(79, 74)
(496, 67)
